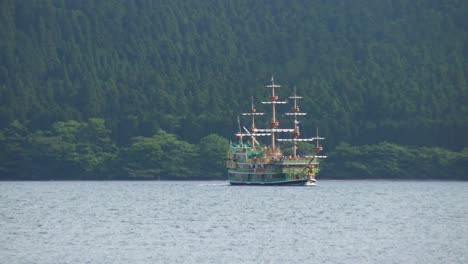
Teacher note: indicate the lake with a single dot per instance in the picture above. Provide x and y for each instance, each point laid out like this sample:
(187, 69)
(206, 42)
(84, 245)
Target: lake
(212, 222)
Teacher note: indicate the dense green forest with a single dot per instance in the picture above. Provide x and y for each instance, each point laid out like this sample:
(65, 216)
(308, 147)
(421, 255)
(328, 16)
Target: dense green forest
(152, 89)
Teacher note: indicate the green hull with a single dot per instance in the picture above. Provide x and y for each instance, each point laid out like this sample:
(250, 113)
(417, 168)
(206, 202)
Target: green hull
(240, 178)
(278, 183)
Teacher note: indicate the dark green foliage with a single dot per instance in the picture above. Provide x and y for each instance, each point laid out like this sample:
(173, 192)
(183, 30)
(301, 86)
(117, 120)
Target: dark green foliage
(161, 156)
(70, 150)
(369, 71)
(391, 161)
(83, 150)
(12, 151)
(211, 157)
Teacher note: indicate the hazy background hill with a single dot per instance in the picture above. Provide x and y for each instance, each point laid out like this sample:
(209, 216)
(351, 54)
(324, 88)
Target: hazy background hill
(370, 71)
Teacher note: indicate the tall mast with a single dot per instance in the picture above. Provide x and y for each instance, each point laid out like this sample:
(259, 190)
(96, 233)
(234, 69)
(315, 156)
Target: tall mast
(252, 126)
(317, 148)
(295, 113)
(295, 132)
(273, 101)
(239, 134)
(253, 113)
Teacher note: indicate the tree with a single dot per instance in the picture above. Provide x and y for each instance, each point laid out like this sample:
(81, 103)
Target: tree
(161, 156)
(210, 161)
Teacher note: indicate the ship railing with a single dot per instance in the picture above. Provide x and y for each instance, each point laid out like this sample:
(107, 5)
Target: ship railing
(254, 170)
(279, 159)
(266, 180)
(297, 161)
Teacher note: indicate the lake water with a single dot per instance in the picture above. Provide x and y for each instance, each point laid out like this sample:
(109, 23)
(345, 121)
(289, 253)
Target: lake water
(212, 222)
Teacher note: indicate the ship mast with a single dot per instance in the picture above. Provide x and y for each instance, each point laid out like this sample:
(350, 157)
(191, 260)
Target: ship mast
(317, 148)
(239, 134)
(295, 113)
(253, 113)
(273, 101)
(295, 132)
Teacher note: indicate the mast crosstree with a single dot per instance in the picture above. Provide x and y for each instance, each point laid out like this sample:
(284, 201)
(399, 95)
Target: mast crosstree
(295, 133)
(274, 100)
(253, 112)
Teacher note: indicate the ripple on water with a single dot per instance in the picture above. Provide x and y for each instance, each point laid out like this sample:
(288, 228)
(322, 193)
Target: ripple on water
(211, 222)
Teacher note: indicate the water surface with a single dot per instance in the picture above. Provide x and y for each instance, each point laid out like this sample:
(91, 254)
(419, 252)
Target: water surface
(211, 222)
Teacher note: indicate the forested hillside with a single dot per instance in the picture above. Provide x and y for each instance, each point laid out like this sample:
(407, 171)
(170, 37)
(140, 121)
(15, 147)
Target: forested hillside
(369, 71)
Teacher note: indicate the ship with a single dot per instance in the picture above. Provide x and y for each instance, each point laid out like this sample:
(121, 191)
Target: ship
(250, 162)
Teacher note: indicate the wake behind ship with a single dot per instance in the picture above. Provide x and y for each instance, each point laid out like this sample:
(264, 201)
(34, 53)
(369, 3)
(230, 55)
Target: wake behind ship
(252, 163)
